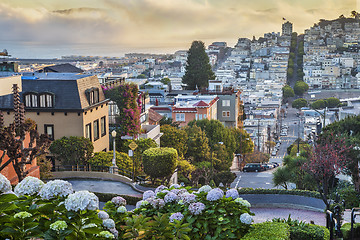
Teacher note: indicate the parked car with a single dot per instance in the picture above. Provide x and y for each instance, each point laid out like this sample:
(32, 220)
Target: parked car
(254, 167)
(268, 166)
(275, 164)
(273, 153)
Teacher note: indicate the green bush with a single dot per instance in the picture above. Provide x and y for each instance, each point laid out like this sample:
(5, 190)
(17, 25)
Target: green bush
(309, 231)
(104, 159)
(346, 231)
(268, 231)
(349, 195)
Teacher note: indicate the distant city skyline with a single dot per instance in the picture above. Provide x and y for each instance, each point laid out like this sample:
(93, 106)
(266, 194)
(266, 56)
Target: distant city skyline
(53, 28)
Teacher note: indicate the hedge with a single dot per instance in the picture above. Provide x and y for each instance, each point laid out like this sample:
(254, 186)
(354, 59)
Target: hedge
(304, 193)
(105, 197)
(309, 231)
(268, 231)
(160, 162)
(346, 231)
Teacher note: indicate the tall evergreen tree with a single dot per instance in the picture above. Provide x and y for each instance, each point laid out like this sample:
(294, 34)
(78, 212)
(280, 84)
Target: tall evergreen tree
(198, 69)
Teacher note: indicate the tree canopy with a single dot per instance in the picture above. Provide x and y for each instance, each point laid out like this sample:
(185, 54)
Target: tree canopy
(72, 150)
(288, 91)
(300, 88)
(319, 104)
(198, 69)
(175, 138)
(299, 103)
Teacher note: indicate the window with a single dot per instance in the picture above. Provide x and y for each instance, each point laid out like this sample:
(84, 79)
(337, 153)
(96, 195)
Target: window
(31, 100)
(180, 117)
(103, 126)
(88, 131)
(49, 130)
(226, 113)
(205, 116)
(46, 100)
(226, 103)
(196, 116)
(94, 96)
(200, 116)
(96, 130)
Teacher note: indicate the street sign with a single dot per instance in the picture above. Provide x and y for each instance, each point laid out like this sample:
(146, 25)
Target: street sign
(133, 146)
(131, 153)
(126, 137)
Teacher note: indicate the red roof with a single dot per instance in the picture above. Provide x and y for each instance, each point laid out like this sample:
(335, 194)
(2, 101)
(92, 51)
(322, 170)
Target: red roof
(184, 110)
(201, 104)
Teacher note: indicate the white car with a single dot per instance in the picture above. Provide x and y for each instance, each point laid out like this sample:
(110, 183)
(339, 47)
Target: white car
(273, 153)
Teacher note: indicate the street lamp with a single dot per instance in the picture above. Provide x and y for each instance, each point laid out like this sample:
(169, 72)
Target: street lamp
(114, 168)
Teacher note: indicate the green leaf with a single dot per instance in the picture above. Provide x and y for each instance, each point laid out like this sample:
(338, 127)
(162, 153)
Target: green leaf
(6, 206)
(8, 197)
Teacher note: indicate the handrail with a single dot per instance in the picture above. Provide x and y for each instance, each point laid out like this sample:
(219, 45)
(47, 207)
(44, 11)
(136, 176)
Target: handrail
(333, 221)
(353, 216)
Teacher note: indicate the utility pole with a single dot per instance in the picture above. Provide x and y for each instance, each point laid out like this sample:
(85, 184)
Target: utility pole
(298, 140)
(258, 133)
(268, 138)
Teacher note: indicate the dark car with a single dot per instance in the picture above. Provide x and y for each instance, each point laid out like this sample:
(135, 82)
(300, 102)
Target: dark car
(254, 167)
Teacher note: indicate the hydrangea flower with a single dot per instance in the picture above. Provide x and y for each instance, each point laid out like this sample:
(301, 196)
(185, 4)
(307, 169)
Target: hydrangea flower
(118, 201)
(175, 190)
(106, 234)
(187, 198)
(81, 200)
(176, 216)
(246, 218)
(22, 215)
(160, 188)
(29, 186)
(196, 208)
(109, 223)
(148, 194)
(214, 194)
(58, 226)
(56, 188)
(170, 197)
(5, 185)
(205, 188)
(158, 203)
(182, 190)
(121, 209)
(114, 232)
(232, 193)
(103, 215)
(175, 185)
(141, 203)
(243, 202)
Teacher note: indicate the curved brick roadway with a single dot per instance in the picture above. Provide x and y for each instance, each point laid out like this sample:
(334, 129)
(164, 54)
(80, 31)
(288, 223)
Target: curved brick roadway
(267, 214)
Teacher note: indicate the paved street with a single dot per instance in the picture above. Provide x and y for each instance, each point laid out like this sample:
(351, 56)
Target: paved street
(264, 179)
(103, 186)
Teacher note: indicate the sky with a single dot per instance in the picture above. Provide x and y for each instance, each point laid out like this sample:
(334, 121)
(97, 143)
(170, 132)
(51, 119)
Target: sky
(53, 28)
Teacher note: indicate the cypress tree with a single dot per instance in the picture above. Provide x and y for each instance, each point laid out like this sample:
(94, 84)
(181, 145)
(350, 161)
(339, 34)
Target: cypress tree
(198, 69)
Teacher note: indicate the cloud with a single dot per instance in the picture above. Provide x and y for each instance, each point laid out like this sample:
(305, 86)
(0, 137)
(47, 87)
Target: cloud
(158, 24)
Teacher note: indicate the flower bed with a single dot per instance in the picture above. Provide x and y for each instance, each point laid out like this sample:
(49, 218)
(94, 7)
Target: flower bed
(54, 211)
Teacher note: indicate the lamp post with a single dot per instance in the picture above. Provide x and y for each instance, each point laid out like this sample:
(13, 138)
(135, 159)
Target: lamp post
(238, 155)
(114, 168)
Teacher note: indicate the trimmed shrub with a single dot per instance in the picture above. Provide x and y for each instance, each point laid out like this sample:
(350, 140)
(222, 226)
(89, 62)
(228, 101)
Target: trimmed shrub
(105, 197)
(346, 231)
(104, 159)
(268, 231)
(309, 231)
(160, 162)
